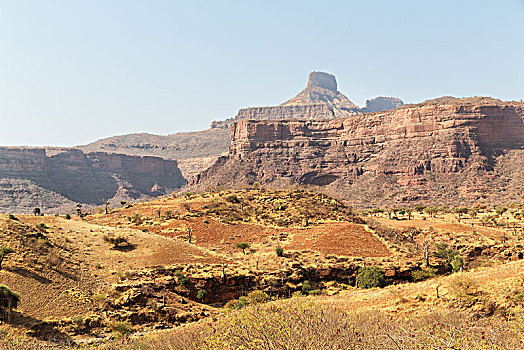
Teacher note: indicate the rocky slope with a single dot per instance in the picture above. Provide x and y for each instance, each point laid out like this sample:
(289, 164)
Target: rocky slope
(445, 151)
(57, 179)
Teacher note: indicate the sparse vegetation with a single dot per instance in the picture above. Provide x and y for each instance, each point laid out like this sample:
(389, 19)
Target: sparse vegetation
(116, 241)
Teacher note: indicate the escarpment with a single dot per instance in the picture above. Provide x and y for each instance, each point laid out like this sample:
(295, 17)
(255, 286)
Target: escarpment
(447, 151)
(57, 179)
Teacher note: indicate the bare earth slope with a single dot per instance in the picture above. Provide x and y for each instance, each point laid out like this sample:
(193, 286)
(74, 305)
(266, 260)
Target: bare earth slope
(444, 151)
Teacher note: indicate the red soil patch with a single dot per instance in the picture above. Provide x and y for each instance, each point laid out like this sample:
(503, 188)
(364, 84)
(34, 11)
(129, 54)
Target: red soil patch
(340, 238)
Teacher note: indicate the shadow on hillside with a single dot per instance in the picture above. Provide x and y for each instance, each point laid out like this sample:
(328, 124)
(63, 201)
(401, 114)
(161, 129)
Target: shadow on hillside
(22, 271)
(125, 248)
(40, 329)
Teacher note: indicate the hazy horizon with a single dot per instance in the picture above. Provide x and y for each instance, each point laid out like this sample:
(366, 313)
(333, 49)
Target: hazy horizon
(72, 73)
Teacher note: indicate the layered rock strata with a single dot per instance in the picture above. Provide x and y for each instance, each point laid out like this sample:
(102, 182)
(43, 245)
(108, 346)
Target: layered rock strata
(446, 151)
(58, 178)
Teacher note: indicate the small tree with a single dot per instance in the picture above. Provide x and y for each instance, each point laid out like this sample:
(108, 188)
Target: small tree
(36, 211)
(280, 251)
(457, 263)
(8, 301)
(201, 294)
(4, 251)
(243, 246)
(371, 277)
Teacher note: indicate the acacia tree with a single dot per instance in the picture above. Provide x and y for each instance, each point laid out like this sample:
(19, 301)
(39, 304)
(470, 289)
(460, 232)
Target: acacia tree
(243, 246)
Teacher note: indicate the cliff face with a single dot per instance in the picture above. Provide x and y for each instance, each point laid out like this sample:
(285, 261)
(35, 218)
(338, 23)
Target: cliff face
(311, 111)
(445, 151)
(60, 178)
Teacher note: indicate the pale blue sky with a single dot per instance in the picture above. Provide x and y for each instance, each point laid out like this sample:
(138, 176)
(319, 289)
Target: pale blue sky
(72, 72)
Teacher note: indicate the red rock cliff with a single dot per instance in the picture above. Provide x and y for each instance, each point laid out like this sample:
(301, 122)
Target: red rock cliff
(406, 154)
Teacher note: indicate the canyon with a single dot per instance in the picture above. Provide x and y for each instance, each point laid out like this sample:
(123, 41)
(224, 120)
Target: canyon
(446, 151)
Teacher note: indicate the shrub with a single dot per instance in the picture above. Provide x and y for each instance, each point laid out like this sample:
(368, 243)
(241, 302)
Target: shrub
(306, 287)
(182, 280)
(464, 289)
(421, 275)
(371, 277)
(257, 297)
(205, 221)
(12, 217)
(116, 241)
(279, 205)
(67, 217)
(201, 294)
(280, 251)
(42, 225)
(457, 263)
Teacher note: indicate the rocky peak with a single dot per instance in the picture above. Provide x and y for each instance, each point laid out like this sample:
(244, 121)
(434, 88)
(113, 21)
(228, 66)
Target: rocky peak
(323, 80)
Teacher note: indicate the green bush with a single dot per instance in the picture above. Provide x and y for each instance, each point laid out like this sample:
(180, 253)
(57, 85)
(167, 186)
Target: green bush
(12, 217)
(457, 263)
(280, 251)
(67, 217)
(371, 277)
(306, 287)
(201, 294)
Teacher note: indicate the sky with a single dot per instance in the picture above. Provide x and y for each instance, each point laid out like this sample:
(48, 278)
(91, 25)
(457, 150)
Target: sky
(72, 72)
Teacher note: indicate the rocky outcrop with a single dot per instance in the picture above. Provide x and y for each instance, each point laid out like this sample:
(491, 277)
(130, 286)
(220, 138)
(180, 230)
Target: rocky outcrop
(69, 176)
(379, 104)
(447, 151)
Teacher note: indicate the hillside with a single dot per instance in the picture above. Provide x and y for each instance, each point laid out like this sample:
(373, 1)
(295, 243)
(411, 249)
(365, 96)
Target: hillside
(445, 151)
(180, 246)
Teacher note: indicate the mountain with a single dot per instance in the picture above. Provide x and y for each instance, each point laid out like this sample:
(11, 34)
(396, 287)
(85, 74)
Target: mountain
(444, 151)
(196, 151)
(55, 180)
